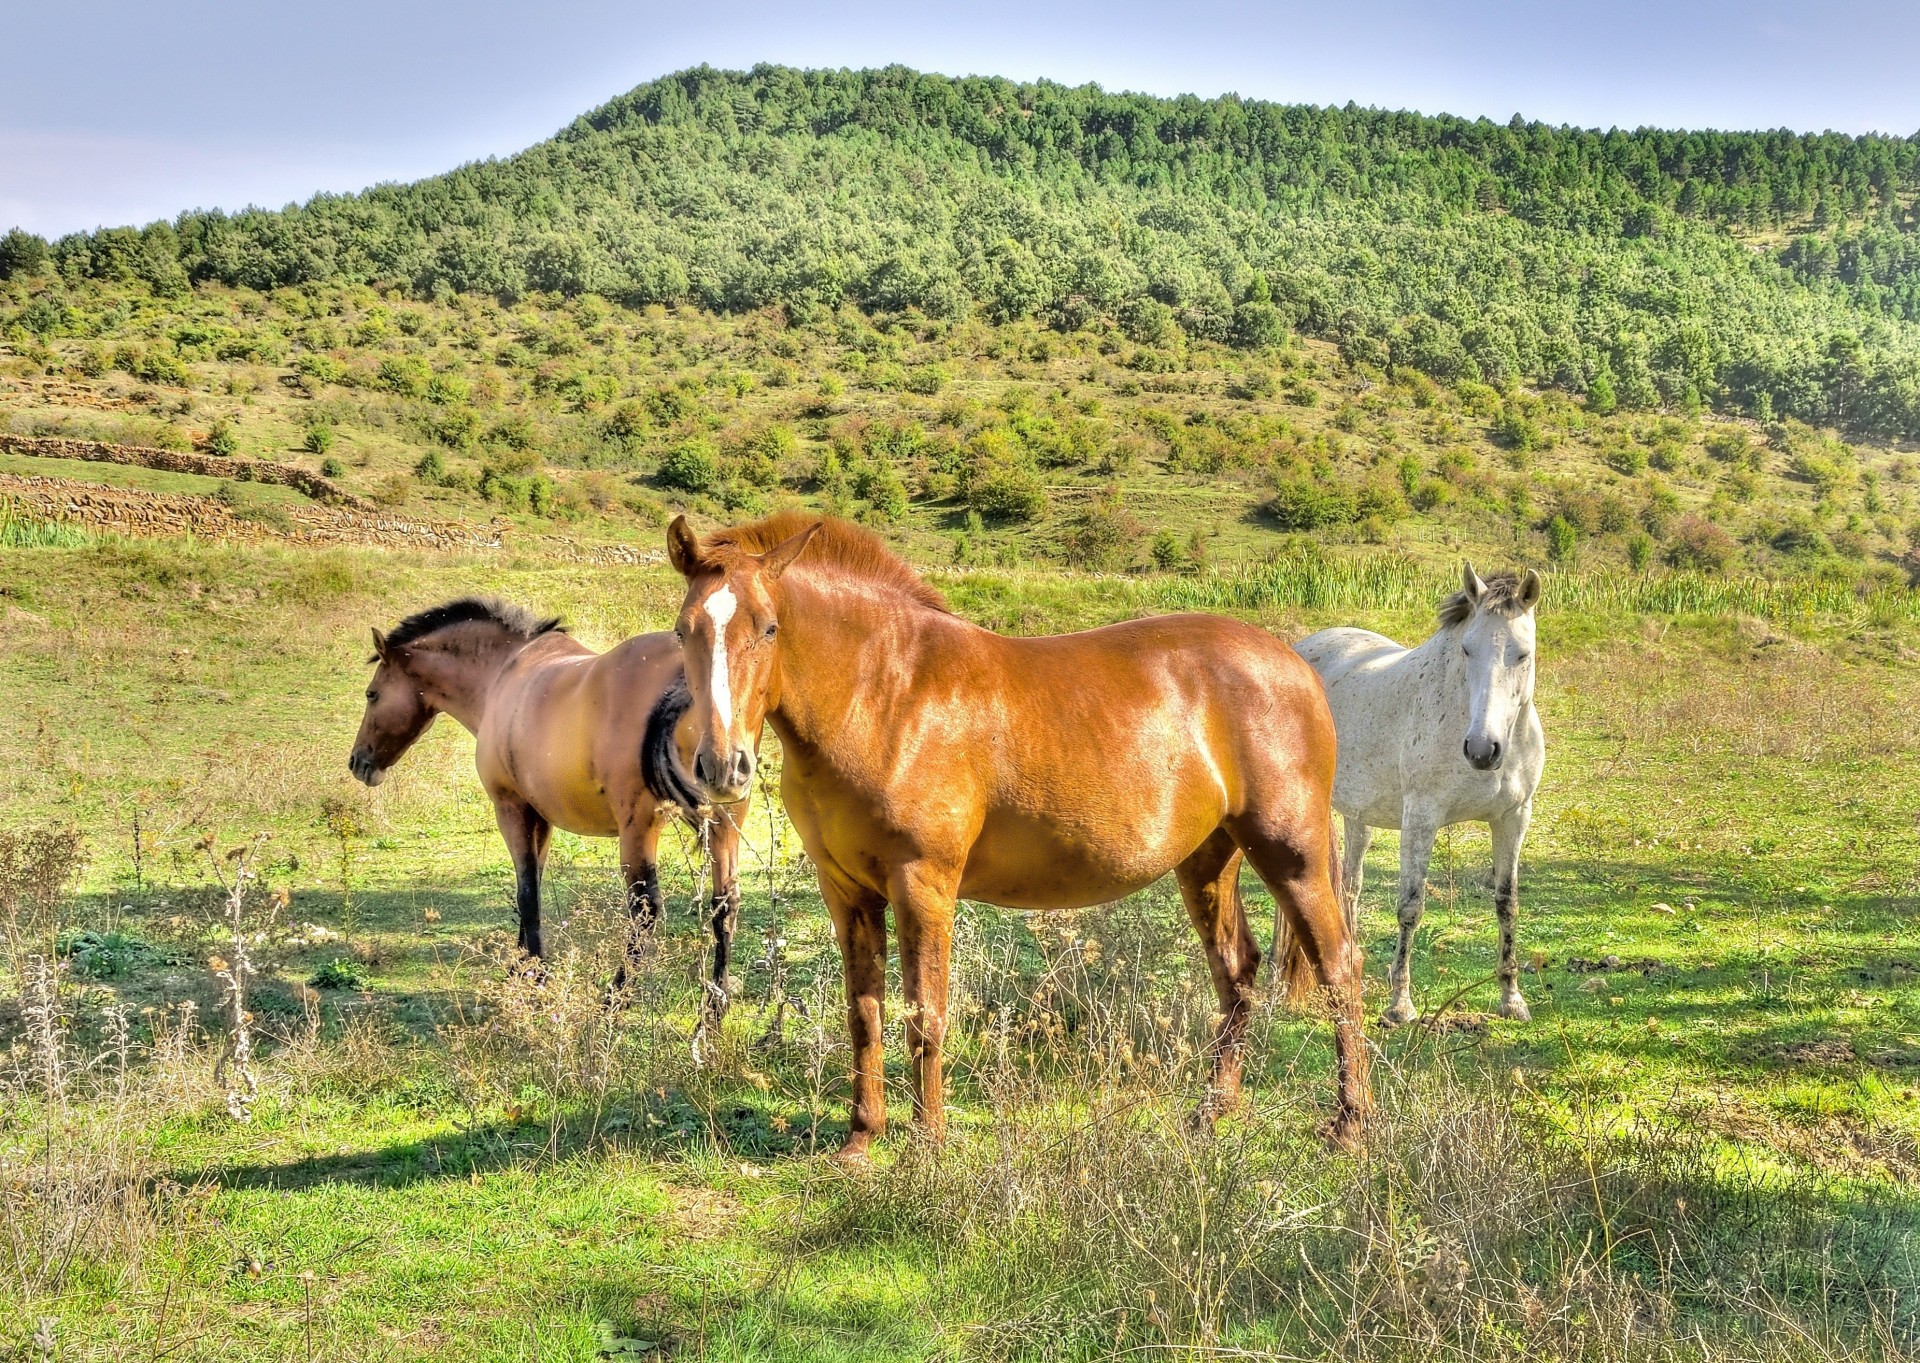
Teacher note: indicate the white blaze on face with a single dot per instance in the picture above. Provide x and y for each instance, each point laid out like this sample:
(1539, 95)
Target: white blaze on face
(720, 608)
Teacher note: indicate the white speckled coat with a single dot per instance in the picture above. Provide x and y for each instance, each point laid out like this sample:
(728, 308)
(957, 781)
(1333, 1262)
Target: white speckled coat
(1441, 734)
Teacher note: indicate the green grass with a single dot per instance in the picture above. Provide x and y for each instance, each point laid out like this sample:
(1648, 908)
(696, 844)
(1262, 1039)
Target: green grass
(469, 1169)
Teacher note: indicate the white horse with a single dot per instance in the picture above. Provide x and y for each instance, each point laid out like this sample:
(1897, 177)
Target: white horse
(1437, 735)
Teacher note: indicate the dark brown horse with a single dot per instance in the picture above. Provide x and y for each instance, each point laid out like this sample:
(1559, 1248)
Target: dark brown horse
(594, 743)
(927, 759)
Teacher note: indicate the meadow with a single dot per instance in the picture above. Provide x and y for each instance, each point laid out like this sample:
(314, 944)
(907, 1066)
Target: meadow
(1704, 1145)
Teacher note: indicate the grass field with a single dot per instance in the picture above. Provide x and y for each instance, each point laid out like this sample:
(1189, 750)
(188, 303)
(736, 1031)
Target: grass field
(1703, 1146)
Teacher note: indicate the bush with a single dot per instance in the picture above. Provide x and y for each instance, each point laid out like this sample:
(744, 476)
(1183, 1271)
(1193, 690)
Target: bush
(221, 440)
(319, 368)
(332, 468)
(405, 376)
(1699, 543)
(691, 466)
(432, 469)
(1008, 492)
(1517, 431)
(342, 972)
(1639, 550)
(1561, 539)
(1305, 504)
(1102, 536)
(318, 439)
(884, 489)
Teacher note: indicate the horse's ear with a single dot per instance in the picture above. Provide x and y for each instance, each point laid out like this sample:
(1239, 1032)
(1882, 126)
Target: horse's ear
(683, 547)
(1470, 582)
(776, 560)
(379, 646)
(1530, 589)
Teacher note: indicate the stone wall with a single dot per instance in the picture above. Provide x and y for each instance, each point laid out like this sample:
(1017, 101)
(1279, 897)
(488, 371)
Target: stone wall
(176, 461)
(124, 511)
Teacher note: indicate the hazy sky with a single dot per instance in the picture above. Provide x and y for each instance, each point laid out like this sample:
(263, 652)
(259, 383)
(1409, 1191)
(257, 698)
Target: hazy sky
(115, 112)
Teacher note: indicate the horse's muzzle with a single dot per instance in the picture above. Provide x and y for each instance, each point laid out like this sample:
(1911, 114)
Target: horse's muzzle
(725, 779)
(1483, 754)
(363, 769)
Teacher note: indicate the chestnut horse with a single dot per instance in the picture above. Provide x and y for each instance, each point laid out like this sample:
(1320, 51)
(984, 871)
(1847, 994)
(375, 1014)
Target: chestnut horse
(594, 743)
(927, 759)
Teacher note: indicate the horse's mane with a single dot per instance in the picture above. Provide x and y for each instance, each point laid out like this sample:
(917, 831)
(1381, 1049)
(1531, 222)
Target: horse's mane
(838, 543)
(517, 621)
(1502, 594)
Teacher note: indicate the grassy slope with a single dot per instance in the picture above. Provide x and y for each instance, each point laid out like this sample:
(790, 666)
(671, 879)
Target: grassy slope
(453, 1203)
(1193, 438)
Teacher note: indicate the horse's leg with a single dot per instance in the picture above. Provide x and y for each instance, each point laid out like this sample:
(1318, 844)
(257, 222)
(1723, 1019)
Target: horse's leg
(922, 900)
(860, 928)
(1296, 862)
(724, 843)
(1357, 837)
(1416, 850)
(640, 869)
(1509, 831)
(1209, 881)
(527, 836)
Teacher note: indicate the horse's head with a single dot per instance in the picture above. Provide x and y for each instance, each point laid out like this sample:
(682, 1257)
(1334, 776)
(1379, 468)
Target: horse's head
(729, 632)
(1496, 644)
(397, 714)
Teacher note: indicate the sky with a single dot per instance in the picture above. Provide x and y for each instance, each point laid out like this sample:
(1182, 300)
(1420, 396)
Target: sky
(119, 112)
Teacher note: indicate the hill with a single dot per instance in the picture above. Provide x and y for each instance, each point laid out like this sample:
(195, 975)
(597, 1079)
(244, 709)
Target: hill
(1036, 323)
(1766, 273)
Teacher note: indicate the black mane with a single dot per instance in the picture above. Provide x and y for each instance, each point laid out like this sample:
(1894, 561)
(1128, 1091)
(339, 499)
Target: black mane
(518, 621)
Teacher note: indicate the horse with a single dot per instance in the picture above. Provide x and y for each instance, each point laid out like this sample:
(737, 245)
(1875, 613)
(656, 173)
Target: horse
(593, 743)
(926, 759)
(1441, 734)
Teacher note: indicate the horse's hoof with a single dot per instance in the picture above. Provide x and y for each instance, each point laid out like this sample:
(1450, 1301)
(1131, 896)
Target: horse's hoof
(1346, 1131)
(1515, 1009)
(855, 1155)
(1399, 1015)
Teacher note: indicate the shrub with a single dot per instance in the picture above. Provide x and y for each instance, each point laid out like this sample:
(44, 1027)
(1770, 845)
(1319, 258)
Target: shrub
(1639, 550)
(1306, 504)
(221, 440)
(1166, 552)
(1517, 431)
(332, 468)
(927, 380)
(1699, 543)
(431, 469)
(458, 428)
(1561, 539)
(691, 466)
(318, 439)
(1431, 495)
(1008, 492)
(406, 376)
(342, 972)
(443, 389)
(885, 490)
(1102, 536)
(318, 368)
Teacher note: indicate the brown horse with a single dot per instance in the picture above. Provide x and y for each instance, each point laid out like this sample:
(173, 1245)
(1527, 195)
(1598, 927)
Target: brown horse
(928, 759)
(594, 743)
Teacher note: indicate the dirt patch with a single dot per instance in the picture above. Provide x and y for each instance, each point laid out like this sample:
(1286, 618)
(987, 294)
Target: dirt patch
(702, 1213)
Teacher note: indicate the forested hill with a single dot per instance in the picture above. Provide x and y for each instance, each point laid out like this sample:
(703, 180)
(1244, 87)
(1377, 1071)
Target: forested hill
(1767, 273)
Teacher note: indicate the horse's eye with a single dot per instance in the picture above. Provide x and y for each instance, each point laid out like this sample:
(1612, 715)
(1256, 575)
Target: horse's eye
(372, 696)
(772, 630)
(1521, 658)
